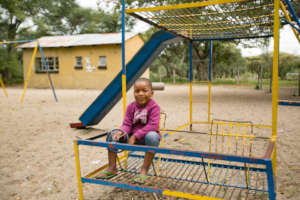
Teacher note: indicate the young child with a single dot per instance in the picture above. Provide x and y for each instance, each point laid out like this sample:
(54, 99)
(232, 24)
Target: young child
(141, 123)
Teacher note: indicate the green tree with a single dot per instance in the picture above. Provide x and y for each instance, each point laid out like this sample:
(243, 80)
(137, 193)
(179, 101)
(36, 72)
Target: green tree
(255, 65)
(15, 19)
(288, 63)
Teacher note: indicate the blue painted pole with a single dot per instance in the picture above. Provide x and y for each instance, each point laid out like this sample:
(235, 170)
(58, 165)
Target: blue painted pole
(46, 65)
(209, 79)
(271, 180)
(210, 59)
(191, 84)
(293, 12)
(191, 60)
(123, 59)
(123, 38)
(293, 25)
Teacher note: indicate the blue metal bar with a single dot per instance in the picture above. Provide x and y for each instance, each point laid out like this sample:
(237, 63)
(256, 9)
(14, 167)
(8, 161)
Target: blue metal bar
(293, 12)
(191, 60)
(122, 185)
(287, 21)
(271, 183)
(17, 41)
(288, 103)
(173, 152)
(47, 68)
(123, 38)
(210, 59)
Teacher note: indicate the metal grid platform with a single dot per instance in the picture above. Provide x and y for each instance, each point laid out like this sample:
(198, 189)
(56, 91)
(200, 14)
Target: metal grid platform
(226, 181)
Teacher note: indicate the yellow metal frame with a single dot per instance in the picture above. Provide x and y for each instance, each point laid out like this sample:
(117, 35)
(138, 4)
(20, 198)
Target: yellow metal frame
(289, 19)
(181, 6)
(29, 71)
(78, 173)
(187, 195)
(3, 87)
(124, 93)
(275, 81)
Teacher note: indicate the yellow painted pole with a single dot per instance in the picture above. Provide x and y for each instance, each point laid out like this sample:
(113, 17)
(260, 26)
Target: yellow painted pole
(289, 19)
(275, 80)
(124, 112)
(78, 170)
(124, 93)
(187, 195)
(3, 87)
(29, 72)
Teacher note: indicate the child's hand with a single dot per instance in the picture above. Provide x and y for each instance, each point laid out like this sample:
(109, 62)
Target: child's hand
(132, 139)
(117, 136)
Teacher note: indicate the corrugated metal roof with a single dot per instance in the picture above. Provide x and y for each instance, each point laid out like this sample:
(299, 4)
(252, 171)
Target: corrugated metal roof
(79, 40)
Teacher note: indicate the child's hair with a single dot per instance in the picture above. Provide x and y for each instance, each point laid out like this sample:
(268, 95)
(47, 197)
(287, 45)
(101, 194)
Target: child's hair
(144, 80)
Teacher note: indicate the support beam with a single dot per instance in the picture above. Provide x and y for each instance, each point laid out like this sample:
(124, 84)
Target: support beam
(275, 80)
(191, 83)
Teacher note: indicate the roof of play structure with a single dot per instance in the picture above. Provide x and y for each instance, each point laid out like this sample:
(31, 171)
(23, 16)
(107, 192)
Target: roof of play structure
(212, 19)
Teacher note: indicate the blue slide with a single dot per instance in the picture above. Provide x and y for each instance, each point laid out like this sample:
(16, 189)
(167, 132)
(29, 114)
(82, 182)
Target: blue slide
(134, 69)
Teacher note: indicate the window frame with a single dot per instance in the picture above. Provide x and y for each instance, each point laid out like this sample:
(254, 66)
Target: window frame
(77, 66)
(100, 65)
(52, 63)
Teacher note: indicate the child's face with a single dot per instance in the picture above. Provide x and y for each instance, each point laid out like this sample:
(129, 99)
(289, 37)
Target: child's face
(142, 92)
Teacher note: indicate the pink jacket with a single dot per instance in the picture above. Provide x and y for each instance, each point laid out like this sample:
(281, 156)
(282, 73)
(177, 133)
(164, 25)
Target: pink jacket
(141, 120)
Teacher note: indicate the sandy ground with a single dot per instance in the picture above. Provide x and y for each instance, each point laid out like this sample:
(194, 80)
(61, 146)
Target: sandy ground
(36, 144)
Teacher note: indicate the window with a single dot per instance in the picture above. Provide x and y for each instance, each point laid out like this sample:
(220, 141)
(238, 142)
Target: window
(102, 62)
(78, 64)
(52, 63)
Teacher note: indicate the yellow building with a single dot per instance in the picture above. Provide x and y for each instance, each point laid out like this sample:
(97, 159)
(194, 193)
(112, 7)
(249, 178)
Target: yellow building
(80, 61)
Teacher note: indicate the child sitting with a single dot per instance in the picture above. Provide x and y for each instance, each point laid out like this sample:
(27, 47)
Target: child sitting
(141, 123)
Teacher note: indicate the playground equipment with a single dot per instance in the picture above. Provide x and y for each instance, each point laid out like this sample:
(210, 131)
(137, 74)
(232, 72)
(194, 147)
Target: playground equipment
(31, 66)
(3, 87)
(289, 103)
(241, 160)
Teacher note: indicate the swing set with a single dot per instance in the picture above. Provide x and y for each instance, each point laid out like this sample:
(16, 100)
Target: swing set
(37, 46)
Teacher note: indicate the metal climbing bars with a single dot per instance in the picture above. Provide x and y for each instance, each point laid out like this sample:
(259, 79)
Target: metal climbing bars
(197, 174)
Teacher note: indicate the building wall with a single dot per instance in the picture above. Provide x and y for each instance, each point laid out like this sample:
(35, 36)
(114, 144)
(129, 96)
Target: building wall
(69, 77)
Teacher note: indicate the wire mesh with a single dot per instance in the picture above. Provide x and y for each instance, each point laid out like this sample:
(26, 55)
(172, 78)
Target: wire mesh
(227, 181)
(252, 18)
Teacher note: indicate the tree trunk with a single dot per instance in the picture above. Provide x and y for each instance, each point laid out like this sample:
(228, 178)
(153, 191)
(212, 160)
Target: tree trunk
(238, 75)
(174, 76)
(260, 77)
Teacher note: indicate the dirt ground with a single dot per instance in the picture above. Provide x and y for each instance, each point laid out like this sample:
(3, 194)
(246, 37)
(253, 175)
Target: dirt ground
(36, 143)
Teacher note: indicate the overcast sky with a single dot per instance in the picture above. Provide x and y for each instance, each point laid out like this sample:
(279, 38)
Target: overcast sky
(288, 41)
